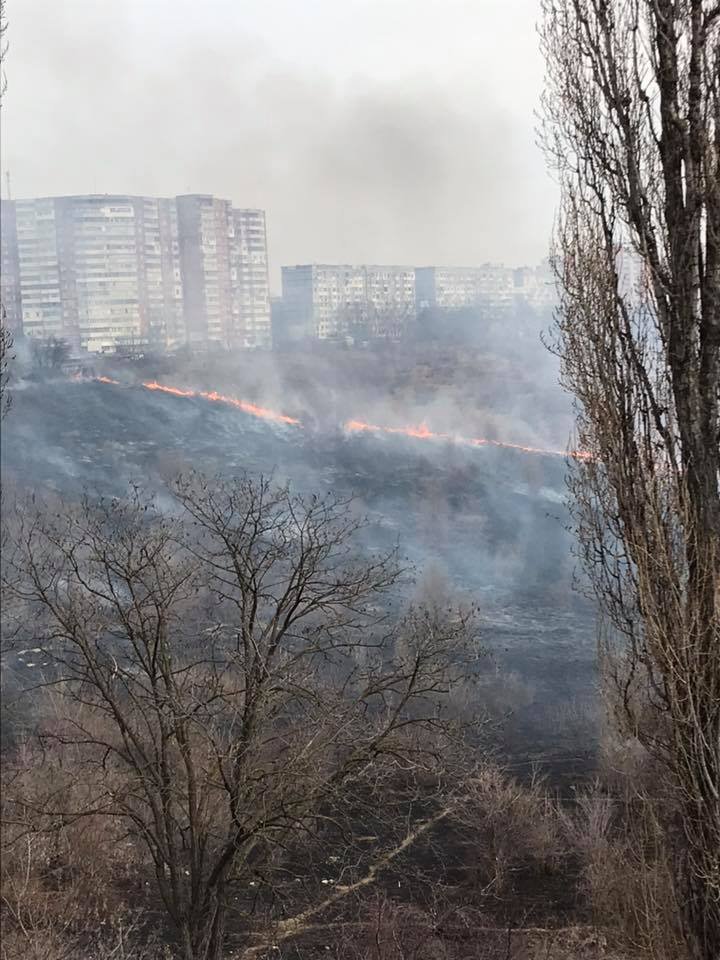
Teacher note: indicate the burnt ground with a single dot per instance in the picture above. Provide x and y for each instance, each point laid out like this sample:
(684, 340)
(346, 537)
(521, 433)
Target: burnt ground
(490, 522)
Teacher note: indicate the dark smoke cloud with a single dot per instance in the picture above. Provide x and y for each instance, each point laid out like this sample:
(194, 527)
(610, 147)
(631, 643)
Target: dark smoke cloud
(412, 162)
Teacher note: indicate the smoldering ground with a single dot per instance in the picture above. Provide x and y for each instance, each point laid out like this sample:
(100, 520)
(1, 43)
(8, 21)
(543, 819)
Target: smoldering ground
(490, 520)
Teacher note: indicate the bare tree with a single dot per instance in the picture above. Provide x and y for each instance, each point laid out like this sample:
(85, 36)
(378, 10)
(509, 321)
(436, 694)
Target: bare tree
(6, 344)
(48, 355)
(236, 686)
(6, 341)
(3, 50)
(367, 321)
(632, 110)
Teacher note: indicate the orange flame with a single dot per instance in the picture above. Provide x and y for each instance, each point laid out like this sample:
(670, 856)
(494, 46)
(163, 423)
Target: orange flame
(420, 432)
(80, 378)
(152, 385)
(244, 405)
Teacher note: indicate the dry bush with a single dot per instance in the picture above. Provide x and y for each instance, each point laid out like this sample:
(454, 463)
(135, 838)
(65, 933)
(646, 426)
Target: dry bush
(53, 942)
(628, 871)
(576, 719)
(391, 931)
(64, 881)
(71, 888)
(397, 932)
(515, 827)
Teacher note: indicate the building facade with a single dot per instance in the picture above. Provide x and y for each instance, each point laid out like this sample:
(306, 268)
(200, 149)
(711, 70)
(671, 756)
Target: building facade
(101, 272)
(204, 235)
(494, 288)
(250, 279)
(536, 287)
(39, 269)
(121, 271)
(490, 287)
(224, 269)
(115, 272)
(329, 301)
(170, 312)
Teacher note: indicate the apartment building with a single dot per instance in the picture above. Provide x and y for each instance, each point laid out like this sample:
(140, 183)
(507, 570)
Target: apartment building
(169, 319)
(390, 293)
(101, 272)
(328, 301)
(490, 287)
(10, 266)
(316, 296)
(108, 272)
(125, 271)
(38, 254)
(204, 237)
(536, 287)
(250, 279)
(224, 269)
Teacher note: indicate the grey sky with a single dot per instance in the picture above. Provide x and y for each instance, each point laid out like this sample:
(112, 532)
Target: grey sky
(370, 130)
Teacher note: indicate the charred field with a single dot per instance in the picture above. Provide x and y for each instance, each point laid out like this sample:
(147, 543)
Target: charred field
(488, 521)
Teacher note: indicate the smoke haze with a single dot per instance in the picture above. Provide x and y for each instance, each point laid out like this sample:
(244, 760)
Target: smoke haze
(394, 132)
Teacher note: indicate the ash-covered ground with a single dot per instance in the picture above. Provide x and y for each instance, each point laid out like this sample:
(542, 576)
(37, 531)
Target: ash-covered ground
(489, 522)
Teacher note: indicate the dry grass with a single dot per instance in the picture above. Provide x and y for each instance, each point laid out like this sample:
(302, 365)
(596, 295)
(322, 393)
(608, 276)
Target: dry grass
(628, 873)
(76, 889)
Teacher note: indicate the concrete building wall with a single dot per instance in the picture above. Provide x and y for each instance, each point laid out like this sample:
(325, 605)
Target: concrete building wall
(425, 293)
(536, 287)
(105, 237)
(490, 286)
(320, 295)
(328, 300)
(337, 292)
(110, 272)
(100, 271)
(296, 314)
(250, 280)
(39, 269)
(205, 233)
(390, 288)
(173, 321)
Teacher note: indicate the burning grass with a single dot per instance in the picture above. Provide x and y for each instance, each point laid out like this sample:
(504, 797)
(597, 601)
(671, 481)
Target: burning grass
(419, 432)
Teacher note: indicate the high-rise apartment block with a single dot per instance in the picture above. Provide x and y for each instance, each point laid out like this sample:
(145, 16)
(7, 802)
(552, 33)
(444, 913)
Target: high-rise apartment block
(111, 272)
(172, 329)
(204, 235)
(99, 271)
(38, 268)
(326, 300)
(224, 267)
(493, 288)
(250, 279)
(536, 287)
(490, 286)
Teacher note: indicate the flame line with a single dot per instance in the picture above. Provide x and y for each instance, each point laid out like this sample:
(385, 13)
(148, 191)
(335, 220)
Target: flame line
(420, 432)
(252, 408)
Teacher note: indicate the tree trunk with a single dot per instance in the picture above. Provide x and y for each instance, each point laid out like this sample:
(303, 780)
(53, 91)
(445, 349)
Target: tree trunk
(203, 933)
